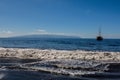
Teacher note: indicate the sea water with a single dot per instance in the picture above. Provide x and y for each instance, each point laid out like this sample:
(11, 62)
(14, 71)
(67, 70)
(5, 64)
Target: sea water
(10, 68)
(62, 43)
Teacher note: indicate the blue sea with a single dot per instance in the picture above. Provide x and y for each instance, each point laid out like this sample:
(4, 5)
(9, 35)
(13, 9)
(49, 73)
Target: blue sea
(62, 43)
(13, 72)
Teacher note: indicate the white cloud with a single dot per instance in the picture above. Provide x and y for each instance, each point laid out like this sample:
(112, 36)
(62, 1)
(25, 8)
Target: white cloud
(41, 31)
(7, 32)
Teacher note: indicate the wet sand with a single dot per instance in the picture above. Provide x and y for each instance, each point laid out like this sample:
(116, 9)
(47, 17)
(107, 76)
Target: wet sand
(10, 69)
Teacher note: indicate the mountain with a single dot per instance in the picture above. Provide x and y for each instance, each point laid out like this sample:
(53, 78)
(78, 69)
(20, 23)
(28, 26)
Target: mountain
(45, 36)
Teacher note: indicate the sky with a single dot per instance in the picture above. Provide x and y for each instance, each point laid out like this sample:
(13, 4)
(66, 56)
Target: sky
(61, 17)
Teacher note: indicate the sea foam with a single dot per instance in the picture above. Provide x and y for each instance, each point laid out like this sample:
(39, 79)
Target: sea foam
(74, 62)
(2, 76)
(58, 54)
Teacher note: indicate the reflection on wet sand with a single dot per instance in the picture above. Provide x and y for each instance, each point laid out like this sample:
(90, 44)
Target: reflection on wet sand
(57, 69)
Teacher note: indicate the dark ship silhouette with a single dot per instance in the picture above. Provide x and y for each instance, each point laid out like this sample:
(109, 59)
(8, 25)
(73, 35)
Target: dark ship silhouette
(99, 37)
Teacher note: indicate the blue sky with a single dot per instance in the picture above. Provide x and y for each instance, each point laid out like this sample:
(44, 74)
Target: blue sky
(67, 17)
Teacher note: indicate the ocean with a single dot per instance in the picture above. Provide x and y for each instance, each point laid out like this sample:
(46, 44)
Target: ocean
(62, 43)
(10, 68)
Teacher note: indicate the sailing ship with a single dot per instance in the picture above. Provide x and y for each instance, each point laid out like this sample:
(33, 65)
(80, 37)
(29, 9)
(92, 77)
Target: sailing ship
(99, 37)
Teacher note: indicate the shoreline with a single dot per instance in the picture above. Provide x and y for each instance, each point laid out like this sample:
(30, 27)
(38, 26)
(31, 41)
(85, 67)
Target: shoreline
(75, 68)
(73, 63)
(49, 54)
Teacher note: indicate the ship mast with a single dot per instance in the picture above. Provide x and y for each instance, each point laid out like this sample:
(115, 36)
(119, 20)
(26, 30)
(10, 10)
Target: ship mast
(99, 31)
(99, 37)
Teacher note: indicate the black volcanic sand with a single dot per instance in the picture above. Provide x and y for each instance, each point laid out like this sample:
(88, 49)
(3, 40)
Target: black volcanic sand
(34, 75)
(16, 60)
(14, 72)
(9, 67)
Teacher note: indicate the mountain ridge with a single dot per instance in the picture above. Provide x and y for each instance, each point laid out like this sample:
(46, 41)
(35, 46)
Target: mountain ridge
(44, 36)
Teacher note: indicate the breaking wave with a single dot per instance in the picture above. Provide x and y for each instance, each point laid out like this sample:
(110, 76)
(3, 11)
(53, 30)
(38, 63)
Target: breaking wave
(59, 54)
(79, 63)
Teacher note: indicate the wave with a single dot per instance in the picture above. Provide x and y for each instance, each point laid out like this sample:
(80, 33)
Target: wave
(66, 62)
(67, 67)
(59, 54)
(77, 68)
